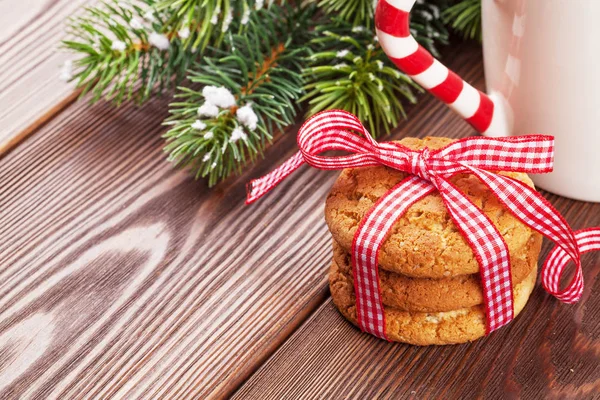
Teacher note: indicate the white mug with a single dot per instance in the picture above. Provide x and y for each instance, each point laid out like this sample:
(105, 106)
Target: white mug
(541, 62)
(542, 57)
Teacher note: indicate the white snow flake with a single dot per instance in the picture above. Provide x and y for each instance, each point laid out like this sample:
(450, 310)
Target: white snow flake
(227, 20)
(219, 96)
(209, 135)
(215, 17)
(208, 110)
(342, 53)
(237, 134)
(247, 116)
(245, 16)
(149, 16)
(198, 125)
(118, 45)
(159, 41)
(184, 32)
(135, 24)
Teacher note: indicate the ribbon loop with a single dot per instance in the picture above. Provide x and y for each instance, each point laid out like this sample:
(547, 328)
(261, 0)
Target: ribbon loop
(429, 170)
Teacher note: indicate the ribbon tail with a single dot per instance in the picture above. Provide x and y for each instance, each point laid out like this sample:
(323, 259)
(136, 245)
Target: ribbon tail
(587, 240)
(491, 252)
(257, 188)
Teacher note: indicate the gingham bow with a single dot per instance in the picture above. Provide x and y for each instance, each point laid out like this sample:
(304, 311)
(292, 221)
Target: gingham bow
(430, 171)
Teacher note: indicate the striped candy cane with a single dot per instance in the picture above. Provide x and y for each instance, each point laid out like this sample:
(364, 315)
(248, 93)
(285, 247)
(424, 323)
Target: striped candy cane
(485, 113)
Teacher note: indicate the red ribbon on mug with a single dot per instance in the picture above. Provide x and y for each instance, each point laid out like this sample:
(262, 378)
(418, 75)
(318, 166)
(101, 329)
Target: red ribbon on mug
(430, 171)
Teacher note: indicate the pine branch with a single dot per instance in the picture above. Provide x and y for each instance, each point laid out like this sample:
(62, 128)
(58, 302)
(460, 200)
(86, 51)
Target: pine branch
(252, 66)
(208, 19)
(465, 17)
(353, 12)
(124, 52)
(350, 71)
(427, 24)
(426, 18)
(133, 49)
(248, 92)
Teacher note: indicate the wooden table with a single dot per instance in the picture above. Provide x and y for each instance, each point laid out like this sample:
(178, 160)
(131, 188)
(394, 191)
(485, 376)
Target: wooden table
(123, 277)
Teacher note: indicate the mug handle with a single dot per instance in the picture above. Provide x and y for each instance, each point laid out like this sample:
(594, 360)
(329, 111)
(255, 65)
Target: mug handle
(489, 115)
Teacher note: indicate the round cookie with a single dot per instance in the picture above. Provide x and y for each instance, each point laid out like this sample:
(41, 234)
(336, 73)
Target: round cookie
(419, 328)
(431, 295)
(424, 242)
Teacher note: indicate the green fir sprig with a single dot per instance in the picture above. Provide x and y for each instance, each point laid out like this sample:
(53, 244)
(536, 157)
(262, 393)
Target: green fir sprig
(124, 52)
(426, 18)
(353, 12)
(248, 91)
(427, 26)
(132, 49)
(351, 72)
(207, 20)
(246, 67)
(465, 17)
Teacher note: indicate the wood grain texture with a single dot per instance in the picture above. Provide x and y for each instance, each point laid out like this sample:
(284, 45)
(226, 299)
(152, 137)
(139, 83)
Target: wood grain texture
(122, 277)
(552, 350)
(30, 91)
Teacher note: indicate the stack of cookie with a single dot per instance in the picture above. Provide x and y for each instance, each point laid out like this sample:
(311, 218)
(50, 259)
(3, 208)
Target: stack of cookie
(431, 289)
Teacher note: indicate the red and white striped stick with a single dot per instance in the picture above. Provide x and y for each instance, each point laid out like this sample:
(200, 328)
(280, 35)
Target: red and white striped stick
(393, 32)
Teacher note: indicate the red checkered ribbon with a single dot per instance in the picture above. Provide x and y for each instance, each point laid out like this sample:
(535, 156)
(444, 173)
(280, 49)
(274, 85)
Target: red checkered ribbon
(430, 171)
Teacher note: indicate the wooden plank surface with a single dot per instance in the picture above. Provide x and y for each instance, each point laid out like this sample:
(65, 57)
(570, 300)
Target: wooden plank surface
(120, 276)
(30, 90)
(552, 350)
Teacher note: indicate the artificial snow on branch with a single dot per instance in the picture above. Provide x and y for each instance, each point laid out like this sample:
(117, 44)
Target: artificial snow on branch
(249, 90)
(125, 51)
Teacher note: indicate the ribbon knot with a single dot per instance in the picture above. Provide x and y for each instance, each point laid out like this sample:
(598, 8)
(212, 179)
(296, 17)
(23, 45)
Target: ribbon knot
(430, 171)
(418, 163)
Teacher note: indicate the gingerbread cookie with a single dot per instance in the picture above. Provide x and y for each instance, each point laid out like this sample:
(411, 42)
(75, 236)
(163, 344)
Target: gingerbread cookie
(424, 242)
(422, 328)
(427, 295)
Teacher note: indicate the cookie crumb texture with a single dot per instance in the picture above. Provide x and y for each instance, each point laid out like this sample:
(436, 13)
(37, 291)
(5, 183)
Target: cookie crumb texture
(425, 242)
(421, 328)
(446, 294)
